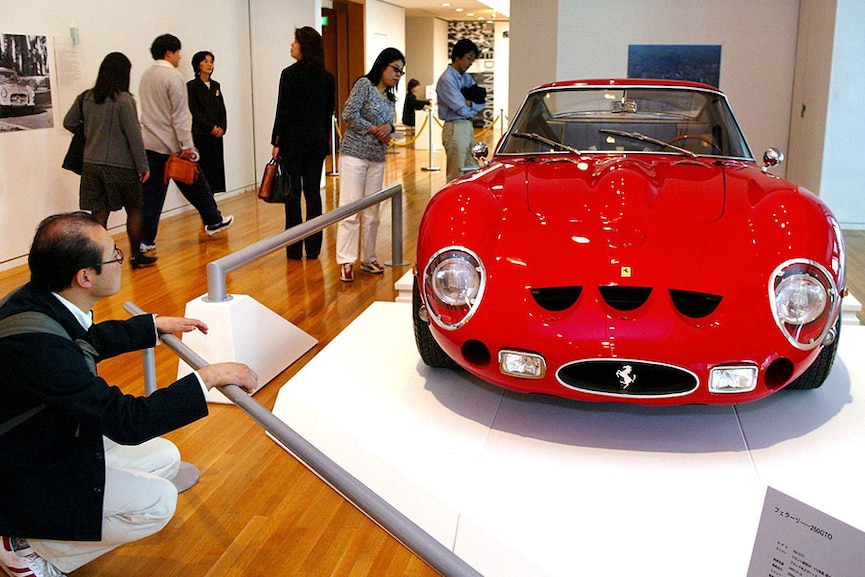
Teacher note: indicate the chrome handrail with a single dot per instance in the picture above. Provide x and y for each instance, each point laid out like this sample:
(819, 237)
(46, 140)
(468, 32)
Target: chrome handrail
(217, 269)
(406, 531)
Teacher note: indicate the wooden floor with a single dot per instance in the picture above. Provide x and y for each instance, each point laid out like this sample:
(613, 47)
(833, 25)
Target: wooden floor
(256, 510)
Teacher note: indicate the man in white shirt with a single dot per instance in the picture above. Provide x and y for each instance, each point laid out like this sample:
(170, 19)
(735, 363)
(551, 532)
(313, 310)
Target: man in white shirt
(167, 129)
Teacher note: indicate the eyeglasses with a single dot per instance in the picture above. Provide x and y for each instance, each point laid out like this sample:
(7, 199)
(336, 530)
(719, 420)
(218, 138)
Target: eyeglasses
(397, 69)
(118, 258)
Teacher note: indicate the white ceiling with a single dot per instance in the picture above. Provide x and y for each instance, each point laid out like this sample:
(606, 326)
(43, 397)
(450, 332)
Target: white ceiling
(471, 9)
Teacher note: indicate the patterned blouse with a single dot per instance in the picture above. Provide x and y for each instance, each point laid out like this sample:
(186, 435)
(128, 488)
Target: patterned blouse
(364, 109)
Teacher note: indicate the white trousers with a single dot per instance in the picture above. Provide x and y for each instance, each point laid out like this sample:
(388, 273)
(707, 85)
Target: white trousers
(139, 501)
(358, 178)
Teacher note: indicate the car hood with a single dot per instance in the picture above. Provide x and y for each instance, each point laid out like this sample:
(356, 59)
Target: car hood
(624, 199)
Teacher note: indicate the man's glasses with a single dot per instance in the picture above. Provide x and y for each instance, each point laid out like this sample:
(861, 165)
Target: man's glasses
(397, 69)
(118, 258)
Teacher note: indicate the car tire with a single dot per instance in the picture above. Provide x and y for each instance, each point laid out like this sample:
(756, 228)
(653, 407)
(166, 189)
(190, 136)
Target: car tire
(430, 351)
(816, 374)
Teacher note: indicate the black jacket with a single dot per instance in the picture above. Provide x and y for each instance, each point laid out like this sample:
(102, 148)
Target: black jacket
(206, 106)
(52, 466)
(412, 103)
(304, 111)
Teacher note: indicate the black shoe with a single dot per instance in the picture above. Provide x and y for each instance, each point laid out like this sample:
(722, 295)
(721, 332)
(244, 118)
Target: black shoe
(142, 261)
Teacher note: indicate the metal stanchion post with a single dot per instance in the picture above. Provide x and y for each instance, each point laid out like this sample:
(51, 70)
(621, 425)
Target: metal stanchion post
(431, 167)
(334, 168)
(188, 474)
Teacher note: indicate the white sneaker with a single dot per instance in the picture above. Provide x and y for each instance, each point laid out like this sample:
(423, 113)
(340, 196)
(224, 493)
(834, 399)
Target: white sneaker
(144, 247)
(25, 562)
(212, 229)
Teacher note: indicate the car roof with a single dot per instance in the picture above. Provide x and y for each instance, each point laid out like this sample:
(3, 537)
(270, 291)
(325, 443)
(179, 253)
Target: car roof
(628, 82)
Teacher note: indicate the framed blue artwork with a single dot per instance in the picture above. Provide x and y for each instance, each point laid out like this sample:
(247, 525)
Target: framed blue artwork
(695, 62)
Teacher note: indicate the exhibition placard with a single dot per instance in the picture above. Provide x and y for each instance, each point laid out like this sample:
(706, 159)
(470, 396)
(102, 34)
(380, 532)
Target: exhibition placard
(796, 540)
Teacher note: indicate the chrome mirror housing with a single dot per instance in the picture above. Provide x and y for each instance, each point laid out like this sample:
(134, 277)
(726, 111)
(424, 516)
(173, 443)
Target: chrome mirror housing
(772, 157)
(480, 151)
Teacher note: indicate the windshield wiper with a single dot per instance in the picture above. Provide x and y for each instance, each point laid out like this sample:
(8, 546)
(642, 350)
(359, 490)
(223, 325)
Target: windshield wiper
(545, 140)
(643, 138)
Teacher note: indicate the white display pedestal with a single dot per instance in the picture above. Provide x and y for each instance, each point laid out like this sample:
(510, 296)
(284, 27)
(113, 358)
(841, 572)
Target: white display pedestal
(521, 485)
(243, 330)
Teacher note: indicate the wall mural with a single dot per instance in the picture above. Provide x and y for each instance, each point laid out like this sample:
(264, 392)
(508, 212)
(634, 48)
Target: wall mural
(483, 34)
(698, 63)
(25, 84)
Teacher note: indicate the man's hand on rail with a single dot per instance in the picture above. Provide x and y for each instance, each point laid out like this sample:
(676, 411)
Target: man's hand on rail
(220, 374)
(170, 325)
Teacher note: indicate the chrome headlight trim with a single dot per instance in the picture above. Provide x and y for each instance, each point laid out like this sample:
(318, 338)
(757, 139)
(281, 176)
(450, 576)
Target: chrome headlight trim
(435, 297)
(816, 274)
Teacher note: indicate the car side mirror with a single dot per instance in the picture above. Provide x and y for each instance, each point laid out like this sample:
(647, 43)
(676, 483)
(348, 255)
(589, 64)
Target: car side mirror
(480, 151)
(772, 157)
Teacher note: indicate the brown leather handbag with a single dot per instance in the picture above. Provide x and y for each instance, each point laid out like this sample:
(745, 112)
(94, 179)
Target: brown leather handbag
(275, 183)
(266, 187)
(185, 171)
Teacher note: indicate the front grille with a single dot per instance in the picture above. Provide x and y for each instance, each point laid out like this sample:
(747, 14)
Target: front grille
(557, 298)
(625, 298)
(693, 304)
(627, 378)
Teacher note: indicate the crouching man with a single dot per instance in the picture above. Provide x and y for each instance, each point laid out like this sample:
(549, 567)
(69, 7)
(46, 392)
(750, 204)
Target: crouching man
(82, 467)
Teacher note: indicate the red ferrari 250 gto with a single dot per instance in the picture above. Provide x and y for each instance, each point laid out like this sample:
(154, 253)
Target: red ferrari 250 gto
(623, 245)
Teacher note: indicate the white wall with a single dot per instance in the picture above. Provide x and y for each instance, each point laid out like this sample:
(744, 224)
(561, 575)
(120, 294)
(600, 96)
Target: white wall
(272, 25)
(385, 27)
(758, 46)
(757, 39)
(32, 185)
(249, 39)
(843, 174)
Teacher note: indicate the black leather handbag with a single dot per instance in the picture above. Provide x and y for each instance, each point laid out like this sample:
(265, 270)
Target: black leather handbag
(74, 159)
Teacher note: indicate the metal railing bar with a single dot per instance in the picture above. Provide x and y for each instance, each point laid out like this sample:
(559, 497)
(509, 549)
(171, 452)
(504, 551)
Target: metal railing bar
(217, 269)
(406, 531)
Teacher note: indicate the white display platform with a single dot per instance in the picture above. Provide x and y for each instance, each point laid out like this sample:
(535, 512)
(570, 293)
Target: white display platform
(521, 485)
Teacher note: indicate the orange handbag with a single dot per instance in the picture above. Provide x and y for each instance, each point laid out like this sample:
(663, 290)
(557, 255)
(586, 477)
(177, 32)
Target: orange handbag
(185, 171)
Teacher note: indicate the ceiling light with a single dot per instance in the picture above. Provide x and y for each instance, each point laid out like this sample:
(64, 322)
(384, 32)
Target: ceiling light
(459, 9)
(503, 7)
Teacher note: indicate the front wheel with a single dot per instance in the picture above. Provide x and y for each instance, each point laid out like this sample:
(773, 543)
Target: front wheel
(430, 351)
(816, 374)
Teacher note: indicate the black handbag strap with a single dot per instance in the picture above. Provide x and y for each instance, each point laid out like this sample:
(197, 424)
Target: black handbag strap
(81, 106)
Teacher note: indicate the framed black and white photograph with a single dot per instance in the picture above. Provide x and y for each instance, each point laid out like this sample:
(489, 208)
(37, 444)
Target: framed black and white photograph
(25, 83)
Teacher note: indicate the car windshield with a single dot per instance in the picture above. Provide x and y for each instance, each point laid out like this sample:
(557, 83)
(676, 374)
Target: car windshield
(8, 77)
(600, 119)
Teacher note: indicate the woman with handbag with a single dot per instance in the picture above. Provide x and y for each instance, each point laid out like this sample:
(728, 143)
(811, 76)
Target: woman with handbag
(115, 163)
(301, 132)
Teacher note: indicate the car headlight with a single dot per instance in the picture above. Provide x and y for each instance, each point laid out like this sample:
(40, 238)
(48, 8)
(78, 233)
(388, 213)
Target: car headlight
(804, 301)
(454, 280)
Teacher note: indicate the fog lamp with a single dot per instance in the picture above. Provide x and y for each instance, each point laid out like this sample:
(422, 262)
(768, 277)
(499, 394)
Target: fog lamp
(522, 364)
(733, 379)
